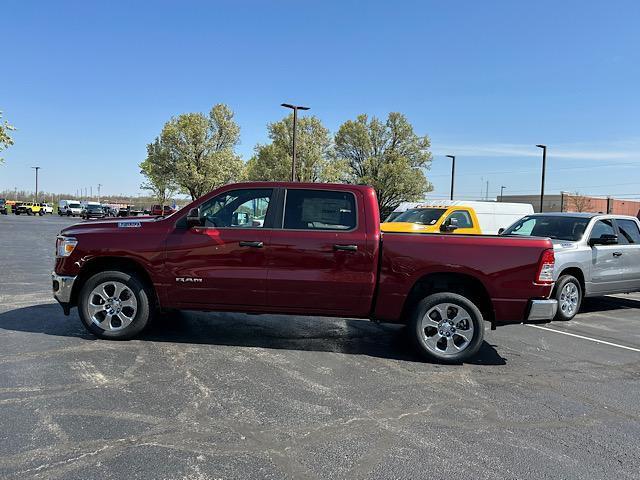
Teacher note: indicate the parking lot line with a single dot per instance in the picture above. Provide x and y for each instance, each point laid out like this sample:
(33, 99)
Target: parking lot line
(585, 338)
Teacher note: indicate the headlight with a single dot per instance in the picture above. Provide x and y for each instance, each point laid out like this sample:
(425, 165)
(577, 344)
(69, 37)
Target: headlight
(65, 245)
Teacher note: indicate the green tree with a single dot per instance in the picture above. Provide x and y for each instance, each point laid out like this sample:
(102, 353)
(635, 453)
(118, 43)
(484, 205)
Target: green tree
(5, 138)
(159, 172)
(314, 159)
(386, 155)
(201, 150)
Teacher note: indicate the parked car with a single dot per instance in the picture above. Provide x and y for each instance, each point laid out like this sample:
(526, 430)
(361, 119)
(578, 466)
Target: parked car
(29, 208)
(93, 211)
(110, 211)
(129, 211)
(70, 208)
(157, 210)
(462, 217)
(3, 206)
(46, 208)
(595, 254)
(242, 248)
(14, 206)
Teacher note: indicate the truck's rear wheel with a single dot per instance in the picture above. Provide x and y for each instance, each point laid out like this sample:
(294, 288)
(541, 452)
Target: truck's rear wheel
(447, 327)
(569, 296)
(115, 305)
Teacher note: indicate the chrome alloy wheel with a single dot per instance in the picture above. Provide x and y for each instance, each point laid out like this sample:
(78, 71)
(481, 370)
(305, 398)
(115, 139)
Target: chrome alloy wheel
(447, 329)
(112, 306)
(569, 299)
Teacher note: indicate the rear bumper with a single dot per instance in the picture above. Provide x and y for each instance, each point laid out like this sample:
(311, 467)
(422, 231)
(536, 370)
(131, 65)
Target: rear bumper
(540, 310)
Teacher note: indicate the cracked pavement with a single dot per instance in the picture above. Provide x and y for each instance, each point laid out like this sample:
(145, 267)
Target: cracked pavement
(209, 396)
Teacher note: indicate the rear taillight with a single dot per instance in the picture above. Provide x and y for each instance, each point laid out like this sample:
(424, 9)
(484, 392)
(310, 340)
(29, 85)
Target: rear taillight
(545, 269)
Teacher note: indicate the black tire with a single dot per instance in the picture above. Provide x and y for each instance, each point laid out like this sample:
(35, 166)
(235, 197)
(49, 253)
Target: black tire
(17, 212)
(143, 296)
(419, 333)
(29, 212)
(41, 213)
(568, 309)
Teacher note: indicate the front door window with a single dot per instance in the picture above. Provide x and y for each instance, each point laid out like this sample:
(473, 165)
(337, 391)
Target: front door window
(237, 209)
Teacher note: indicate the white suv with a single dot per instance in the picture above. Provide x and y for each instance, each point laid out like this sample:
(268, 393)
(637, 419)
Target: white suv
(46, 208)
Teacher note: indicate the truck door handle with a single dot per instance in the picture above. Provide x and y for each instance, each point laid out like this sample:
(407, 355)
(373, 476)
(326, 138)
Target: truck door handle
(346, 248)
(252, 244)
(617, 254)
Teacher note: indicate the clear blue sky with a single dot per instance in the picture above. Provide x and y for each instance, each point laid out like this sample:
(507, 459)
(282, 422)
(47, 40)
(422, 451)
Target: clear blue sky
(89, 84)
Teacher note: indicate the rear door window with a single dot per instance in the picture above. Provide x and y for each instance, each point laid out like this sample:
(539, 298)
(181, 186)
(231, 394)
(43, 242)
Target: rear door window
(629, 232)
(319, 210)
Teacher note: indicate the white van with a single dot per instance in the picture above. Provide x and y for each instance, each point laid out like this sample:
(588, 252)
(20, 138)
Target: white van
(70, 208)
(458, 216)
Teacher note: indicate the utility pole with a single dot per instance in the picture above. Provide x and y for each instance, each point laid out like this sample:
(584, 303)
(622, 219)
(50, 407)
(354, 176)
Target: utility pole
(295, 109)
(544, 168)
(501, 191)
(35, 199)
(486, 195)
(99, 185)
(91, 194)
(453, 172)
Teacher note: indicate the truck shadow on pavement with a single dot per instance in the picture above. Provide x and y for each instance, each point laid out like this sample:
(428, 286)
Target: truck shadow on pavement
(282, 332)
(606, 304)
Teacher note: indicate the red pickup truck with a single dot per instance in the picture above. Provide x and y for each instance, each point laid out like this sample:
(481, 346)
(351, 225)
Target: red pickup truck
(304, 249)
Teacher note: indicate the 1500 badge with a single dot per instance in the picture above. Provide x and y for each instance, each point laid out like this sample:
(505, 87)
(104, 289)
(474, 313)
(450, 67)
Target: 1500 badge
(188, 280)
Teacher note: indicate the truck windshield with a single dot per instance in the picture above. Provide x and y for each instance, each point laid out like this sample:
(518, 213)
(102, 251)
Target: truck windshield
(556, 227)
(74, 205)
(421, 216)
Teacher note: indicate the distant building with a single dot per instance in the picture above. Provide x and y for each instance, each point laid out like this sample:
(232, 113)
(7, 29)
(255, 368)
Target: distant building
(569, 202)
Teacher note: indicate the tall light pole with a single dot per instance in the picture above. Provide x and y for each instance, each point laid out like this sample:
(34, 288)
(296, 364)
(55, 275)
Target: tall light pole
(35, 199)
(501, 191)
(295, 109)
(544, 168)
(99, 185)
(453, 171)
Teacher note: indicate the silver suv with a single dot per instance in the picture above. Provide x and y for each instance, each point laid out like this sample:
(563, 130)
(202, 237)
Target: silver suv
(596, 254)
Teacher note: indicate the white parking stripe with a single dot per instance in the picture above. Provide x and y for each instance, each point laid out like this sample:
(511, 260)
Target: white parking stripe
(585, 338)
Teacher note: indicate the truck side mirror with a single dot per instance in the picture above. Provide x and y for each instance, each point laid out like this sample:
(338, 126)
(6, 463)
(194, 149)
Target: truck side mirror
(604, 239)
(449, 225)
(193, 218)
(500, 231)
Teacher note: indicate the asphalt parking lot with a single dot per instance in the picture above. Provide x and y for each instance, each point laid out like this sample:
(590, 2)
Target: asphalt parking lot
(208, 396)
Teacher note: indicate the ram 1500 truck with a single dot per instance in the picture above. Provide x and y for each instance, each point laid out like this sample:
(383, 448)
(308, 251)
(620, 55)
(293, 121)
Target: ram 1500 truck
(303, 249)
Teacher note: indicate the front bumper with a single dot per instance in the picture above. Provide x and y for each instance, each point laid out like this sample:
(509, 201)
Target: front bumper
(542, 310)
(62, 287)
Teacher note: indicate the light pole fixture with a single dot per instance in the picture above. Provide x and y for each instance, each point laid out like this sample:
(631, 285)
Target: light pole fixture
(501, 191)
(295, 109)
(544, 168)
(453, 171)
(35, 198)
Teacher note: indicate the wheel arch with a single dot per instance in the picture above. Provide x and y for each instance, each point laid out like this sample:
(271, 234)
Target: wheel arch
(120, 264)
(576, 272)
(453, 282)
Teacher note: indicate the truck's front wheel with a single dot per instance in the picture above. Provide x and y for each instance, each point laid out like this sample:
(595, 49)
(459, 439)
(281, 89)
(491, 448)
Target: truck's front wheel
(115, 305)
(447, 327)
